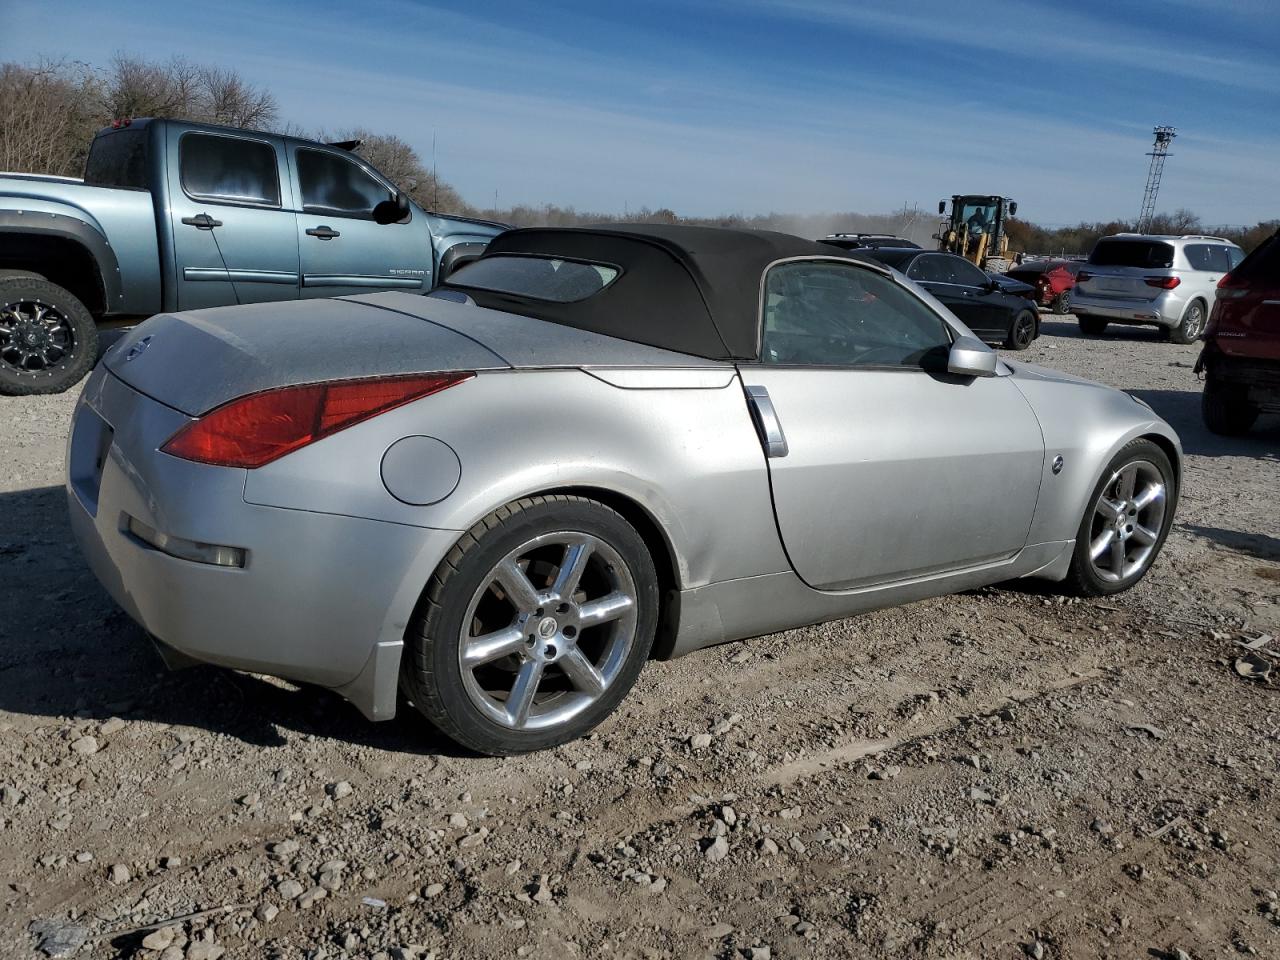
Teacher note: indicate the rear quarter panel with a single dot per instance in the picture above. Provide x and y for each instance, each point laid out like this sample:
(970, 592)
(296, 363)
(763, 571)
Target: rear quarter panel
(681, 445)
(125, 218)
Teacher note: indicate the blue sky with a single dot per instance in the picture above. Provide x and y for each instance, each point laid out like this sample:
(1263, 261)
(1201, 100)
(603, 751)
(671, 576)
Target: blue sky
(755, 105)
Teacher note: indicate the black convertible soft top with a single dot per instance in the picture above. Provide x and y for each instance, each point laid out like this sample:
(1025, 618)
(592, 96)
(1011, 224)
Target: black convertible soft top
(694, 290)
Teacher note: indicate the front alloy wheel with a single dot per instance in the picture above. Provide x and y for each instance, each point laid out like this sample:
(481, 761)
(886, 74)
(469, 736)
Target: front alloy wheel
(1127, 519)
(1023, 331)
(1126, 522)
(535, 626)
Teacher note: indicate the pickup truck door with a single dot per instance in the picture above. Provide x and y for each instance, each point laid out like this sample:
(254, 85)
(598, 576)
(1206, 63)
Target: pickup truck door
(882, 466)
(343, 250)
(233, 226)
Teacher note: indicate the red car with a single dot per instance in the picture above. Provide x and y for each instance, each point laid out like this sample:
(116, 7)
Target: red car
(1241, 355)
(1052, 279)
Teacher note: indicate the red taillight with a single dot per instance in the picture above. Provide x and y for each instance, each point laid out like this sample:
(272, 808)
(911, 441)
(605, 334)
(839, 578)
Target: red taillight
(254, 430)
(1164, 283)
(1231, 288)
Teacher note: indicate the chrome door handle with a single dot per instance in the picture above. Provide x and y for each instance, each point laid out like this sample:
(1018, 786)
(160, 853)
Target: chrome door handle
(324, 233)
(202, 221)
(766, 421)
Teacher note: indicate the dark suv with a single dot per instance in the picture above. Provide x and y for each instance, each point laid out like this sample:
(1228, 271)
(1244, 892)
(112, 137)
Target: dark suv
(1241, 355)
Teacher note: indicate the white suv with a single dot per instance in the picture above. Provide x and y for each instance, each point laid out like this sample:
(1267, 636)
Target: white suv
(1167, 282)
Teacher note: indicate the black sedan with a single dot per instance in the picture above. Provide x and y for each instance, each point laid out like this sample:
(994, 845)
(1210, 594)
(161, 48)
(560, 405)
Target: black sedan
(996, 316)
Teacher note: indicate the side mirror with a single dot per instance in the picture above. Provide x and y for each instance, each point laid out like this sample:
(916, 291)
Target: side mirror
(991, 286)
(971, 358)
(1013, 208)
(391, 211)
(942, 207)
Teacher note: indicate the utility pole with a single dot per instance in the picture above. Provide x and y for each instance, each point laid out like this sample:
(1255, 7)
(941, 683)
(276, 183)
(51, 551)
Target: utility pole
(1160, 150)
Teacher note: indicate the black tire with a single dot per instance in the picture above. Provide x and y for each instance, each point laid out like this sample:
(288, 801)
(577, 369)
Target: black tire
(68, 339)
(432, 673)
(1082, 579)
(1191, 325)
(1226, 409)
(1092, 326)
(1023, 330)
(1062, 303)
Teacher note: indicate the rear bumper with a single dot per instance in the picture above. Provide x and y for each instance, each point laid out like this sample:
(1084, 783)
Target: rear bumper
(321, 598)
(1259, 376)
(1164, 311)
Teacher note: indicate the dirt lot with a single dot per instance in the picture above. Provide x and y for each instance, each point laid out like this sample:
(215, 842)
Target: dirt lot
(997, 774)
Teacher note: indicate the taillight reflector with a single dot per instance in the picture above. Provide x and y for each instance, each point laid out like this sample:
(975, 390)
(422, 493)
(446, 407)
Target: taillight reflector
(1164, 283)
(252, 431)
(1229, 288)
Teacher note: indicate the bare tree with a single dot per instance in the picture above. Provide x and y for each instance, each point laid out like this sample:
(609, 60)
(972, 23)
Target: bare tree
(226, 98)
(399, 162)
(48, 114)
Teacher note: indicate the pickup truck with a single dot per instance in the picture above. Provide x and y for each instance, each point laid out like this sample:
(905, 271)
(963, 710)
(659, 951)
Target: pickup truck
(173, 215)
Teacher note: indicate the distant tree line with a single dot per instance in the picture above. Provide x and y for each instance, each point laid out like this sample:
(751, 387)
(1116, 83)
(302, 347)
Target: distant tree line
(50, 111)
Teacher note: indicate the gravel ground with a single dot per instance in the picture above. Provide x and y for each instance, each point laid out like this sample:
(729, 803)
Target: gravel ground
(997, 774)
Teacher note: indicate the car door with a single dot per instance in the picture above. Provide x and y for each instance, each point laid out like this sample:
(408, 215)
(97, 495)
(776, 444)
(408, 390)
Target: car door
(888, 468)
(343, 250)
(234, 232)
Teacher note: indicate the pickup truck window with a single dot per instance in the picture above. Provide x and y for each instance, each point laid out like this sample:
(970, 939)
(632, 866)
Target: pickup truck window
(118, 159)
(337, 186)
(230, 169)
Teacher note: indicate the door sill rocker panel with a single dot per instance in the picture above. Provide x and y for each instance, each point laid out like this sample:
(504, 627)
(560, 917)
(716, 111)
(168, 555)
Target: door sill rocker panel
(755, 606)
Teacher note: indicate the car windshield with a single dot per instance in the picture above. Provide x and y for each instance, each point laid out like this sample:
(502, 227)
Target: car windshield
(540, 278)
(1132, 253)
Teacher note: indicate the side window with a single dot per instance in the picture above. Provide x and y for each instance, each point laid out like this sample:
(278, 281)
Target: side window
(966, 273)
(1198, 255)
(1234, 256)
(1219, 262)
(925, 270)
(335, 186)
(230, 169)
(820, 313)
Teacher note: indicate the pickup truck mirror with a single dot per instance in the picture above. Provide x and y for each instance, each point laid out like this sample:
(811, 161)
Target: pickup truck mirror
(391, 211)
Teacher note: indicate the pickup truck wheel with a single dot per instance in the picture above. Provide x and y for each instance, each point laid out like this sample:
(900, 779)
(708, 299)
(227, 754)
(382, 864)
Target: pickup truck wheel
(48, 340)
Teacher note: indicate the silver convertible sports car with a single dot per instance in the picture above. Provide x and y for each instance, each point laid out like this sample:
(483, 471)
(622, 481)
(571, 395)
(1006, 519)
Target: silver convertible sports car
(589, 448)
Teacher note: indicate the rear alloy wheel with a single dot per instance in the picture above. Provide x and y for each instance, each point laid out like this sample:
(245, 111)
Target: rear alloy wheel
(48, 340)
(1192, 324)
(1023, 331)
(1127, 521)
(1226, 409)
(1062, 303)
(1093, 326)
(535, 627)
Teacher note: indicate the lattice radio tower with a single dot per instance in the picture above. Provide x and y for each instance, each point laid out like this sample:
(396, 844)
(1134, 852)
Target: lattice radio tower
(1164, 136)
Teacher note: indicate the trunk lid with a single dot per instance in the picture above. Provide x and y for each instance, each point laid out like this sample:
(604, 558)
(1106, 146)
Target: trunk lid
(198, 360)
